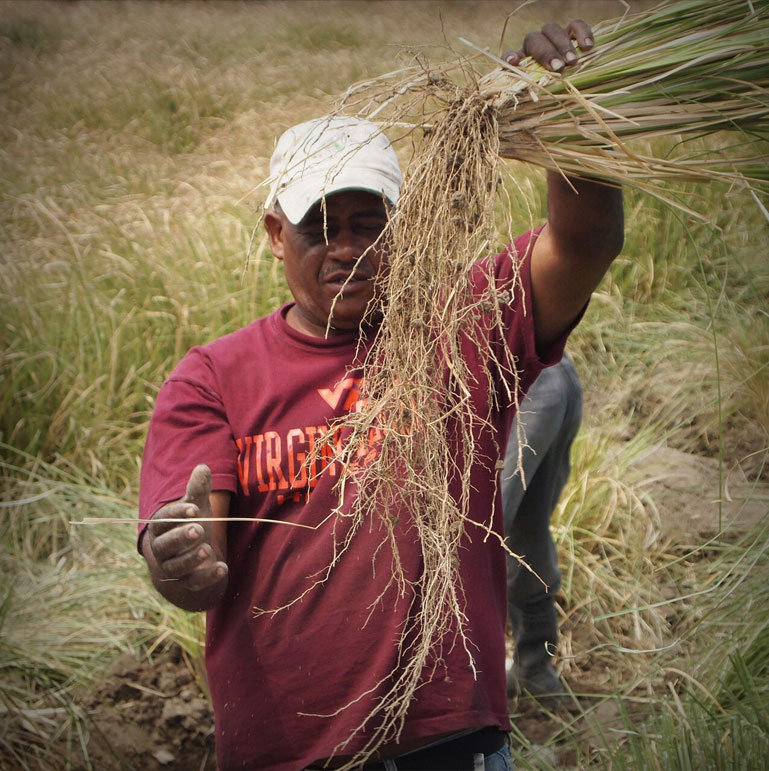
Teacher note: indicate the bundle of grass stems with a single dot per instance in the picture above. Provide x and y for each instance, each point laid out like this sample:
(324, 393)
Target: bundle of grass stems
(689, 68)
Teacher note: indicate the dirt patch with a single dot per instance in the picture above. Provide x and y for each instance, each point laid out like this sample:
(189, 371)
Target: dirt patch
(685, 489)
(149, 715)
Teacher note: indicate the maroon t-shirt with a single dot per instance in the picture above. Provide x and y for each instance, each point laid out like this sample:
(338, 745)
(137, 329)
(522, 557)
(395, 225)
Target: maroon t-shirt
(290, 685)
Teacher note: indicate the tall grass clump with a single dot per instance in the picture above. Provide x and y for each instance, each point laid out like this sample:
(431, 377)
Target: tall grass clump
(71, 600)
(679, 322)
(92, 330)
(608, 535)
(717, 713)
(699, 700)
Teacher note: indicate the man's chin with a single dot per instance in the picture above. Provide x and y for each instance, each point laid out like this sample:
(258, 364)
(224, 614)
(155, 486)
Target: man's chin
(352, 321)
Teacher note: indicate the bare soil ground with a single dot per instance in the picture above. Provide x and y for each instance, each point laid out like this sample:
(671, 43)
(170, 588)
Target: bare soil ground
(150, 715)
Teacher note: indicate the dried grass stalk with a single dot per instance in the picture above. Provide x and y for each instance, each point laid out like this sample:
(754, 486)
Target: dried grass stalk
(688, 68)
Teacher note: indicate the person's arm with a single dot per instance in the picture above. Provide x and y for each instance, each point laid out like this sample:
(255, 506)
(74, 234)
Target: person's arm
(585, 228)
(584, 233)
(188, 561)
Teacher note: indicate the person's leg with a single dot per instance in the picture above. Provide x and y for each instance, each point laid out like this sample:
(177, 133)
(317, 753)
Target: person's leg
(550, 415)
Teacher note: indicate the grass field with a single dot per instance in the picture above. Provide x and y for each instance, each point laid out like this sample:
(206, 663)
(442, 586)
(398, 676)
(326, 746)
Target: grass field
(134, 137)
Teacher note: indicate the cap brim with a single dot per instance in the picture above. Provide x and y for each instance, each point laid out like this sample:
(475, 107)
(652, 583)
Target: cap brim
(296, 200)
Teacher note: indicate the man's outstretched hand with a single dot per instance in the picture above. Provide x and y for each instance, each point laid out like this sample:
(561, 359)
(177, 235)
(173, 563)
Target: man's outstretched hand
(552, 46)
(187, 559)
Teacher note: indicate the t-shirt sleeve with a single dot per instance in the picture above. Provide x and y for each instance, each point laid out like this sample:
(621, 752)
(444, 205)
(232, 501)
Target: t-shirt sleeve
(189, 426)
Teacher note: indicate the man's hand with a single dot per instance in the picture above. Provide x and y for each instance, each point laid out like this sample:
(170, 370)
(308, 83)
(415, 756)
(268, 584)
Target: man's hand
(187, 560)
(552, 46)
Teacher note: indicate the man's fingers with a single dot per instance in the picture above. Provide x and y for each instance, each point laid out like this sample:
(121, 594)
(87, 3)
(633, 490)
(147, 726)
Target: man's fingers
(199, 487)
(194, 503)
(177, 541)
(206, 576)
(552, 47)
(195, 571)
(203, 577)
(171, 511)
(561, 41)
(179, 566)
(540, 47)
(581, 32)
(514, 57)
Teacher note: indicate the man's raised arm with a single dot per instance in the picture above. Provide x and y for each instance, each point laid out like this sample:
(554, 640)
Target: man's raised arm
(584, 233)
(585, 229)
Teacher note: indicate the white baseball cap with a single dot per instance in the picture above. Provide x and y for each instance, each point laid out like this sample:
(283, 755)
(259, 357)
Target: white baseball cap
(328, 155)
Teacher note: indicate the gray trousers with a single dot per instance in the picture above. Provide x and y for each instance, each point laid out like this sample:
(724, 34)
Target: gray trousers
(551, 415)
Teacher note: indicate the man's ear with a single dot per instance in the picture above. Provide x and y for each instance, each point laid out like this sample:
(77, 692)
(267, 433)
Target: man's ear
(273, 224)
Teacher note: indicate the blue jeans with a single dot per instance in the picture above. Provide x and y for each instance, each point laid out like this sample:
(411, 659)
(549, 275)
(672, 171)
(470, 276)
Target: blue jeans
(501, 760)
(551, 415)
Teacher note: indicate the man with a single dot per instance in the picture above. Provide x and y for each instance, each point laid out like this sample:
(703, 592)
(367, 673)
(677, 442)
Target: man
(550, 415)
(302, 637)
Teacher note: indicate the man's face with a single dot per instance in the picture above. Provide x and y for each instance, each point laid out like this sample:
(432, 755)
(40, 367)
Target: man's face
(331, 259)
